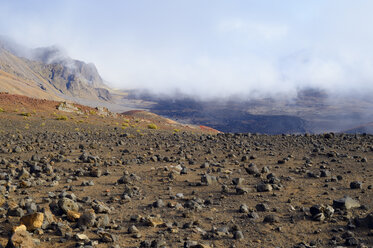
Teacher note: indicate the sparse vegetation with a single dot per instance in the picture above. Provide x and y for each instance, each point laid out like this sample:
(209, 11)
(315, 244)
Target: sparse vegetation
(61, 118)
(1, 110)
(25, 114)
(152, 126)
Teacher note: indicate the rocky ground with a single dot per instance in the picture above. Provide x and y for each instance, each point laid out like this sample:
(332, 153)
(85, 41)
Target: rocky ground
(87, 181)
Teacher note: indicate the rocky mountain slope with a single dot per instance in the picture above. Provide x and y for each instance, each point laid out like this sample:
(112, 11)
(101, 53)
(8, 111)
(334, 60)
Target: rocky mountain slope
(48, 73)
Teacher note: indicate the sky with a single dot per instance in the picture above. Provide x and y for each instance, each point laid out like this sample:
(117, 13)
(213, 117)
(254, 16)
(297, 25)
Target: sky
(209, 48)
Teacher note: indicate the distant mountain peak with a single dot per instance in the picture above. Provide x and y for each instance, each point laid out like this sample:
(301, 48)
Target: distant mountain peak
(51, 68)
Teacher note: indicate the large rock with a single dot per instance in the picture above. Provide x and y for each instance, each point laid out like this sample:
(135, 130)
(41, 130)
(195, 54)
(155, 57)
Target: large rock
(49, 218)
(67, 205)
(21, 239)
(366, 222)
(73, 215)
(264, 187)
(67, 107)
(88, 218)
(19, 228)
(33, 221)
(346, 203)
(208, 179)
(252, 169)
(23, 174)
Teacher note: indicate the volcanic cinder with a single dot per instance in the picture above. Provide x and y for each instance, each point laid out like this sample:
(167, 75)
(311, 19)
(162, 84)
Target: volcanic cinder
(136, 180)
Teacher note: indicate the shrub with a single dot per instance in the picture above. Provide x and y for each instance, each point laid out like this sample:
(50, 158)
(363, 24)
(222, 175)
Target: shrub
(61, 118)
(1, 110)
(26, 114)
(152, 126)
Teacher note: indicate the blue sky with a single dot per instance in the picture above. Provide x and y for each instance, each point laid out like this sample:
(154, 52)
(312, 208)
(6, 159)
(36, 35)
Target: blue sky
(208, 48)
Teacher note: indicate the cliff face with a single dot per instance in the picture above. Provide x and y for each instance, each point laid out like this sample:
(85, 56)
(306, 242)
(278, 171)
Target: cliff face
(50, 71)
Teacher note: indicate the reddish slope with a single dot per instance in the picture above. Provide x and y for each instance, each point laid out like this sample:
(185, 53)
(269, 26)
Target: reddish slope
(16, 106)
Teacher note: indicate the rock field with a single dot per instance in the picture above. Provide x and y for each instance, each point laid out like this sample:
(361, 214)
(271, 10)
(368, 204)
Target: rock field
(93, 183)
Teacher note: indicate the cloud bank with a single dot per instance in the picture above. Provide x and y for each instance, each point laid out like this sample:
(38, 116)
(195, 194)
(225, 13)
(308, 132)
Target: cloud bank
(207, 48)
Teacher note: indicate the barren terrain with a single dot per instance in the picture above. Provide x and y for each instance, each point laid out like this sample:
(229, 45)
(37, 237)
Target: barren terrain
(89, 178)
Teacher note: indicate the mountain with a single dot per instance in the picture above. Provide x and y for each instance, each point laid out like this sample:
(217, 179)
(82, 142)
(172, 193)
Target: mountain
(225, 116)
(48, 73)
(364, 128)
(310, 110)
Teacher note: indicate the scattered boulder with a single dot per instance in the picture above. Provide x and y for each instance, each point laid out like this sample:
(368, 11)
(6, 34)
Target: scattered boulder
(356, 185)
(208, 179)
(87, 219)
(21, 239)
(264, 187)
(366, 222)
(33, 221)
(346, 203)
(67, 205)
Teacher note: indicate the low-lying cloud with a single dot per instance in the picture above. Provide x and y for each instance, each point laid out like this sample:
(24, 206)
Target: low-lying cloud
(212, 49)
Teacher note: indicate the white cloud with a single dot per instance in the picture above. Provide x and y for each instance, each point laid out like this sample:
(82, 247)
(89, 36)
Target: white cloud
(253, 29)
(216, 50)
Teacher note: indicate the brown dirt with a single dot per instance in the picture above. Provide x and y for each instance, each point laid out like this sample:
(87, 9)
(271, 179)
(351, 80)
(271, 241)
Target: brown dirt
(137, 150)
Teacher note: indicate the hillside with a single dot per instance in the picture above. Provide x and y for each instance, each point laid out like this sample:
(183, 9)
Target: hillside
(19, 106)
(364, 128)
(48, 73)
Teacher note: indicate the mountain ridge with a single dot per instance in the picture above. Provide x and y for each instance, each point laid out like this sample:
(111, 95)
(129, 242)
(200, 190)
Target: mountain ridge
(49, 73)
(52, 71)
